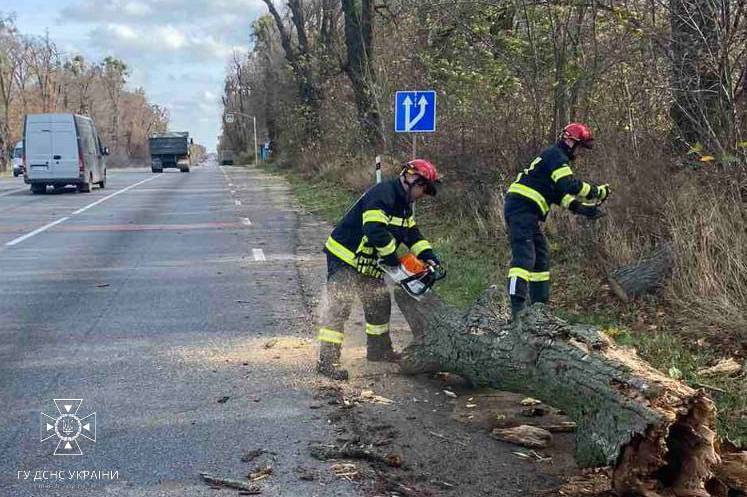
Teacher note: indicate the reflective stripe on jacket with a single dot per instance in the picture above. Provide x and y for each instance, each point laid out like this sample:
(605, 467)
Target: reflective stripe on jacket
(549, 180)
(375, 225)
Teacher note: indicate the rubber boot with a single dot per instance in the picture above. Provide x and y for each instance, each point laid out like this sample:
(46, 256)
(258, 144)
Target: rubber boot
(539, 292)
(379, 349)
(329, 361)
(518, 303)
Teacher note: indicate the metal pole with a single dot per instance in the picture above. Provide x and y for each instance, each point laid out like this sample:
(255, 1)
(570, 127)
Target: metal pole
(256, 156)
(414, 146)
(378, 169)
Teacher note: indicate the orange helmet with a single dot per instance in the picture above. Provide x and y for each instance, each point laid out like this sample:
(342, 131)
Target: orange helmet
(579, 133)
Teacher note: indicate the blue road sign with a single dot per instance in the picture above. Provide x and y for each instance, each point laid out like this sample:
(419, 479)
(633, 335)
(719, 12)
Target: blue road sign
(415, 111)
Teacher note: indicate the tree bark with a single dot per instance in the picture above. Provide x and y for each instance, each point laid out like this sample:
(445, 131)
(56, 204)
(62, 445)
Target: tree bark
(656, 432)
(647, 274)
(360, 67)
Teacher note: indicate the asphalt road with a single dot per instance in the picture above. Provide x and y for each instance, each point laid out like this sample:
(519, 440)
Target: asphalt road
(153, 300)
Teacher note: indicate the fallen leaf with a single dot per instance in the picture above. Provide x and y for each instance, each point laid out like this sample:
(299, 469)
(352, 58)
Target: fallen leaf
(223, 399)
(451, 394)
(530, 402)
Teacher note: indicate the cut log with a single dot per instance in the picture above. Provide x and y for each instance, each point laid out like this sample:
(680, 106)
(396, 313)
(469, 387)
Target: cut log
(656, 432)
(642, 276)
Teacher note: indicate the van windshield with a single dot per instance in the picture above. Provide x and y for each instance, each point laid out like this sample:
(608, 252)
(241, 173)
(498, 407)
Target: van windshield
(18, 152)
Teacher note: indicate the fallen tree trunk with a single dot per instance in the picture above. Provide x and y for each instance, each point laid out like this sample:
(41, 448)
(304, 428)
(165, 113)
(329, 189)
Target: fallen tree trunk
(656, 432)
(642, 276)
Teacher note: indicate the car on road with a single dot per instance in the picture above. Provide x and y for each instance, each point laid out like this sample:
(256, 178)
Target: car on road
(17, 159)
(63, 149)
(170, 149)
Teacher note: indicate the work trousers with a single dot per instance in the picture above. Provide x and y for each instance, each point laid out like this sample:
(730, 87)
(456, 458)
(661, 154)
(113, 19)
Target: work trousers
(530, 259)
(344, 283)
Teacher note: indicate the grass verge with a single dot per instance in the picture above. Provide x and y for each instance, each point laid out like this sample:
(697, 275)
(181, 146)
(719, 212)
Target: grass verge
(475, 262)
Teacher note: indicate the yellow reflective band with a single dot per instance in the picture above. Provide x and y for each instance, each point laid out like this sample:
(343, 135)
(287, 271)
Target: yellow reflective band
(519, 273)
(338, 250)
(387, 249)
(561, 172)
(531, 194)
(585, 189)
(420, 246)
(330, 336)
(375, 216)
(405, 223)
(567, 199)
(377, 329)
(544, 276)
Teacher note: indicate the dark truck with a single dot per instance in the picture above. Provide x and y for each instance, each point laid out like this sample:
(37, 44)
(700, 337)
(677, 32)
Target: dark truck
(170, 149)
(227, 157)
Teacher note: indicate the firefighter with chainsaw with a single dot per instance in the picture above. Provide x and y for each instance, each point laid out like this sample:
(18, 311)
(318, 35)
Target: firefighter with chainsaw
(361, 249)
(548, 180)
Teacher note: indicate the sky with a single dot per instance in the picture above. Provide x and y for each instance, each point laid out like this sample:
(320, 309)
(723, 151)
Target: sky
(177, 50)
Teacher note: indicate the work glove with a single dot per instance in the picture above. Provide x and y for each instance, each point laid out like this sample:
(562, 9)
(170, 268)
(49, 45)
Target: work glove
(603, 191)
(430, 257)
(591, 211)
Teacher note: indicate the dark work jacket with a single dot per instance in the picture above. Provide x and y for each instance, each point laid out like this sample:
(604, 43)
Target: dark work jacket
(375, 225)
(548, 180)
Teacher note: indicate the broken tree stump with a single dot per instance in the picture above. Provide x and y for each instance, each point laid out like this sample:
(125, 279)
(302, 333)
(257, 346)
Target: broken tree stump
(657, 433)
(642, 276)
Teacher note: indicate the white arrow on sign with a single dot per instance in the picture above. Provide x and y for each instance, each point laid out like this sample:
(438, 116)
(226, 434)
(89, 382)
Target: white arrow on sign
(423, 103)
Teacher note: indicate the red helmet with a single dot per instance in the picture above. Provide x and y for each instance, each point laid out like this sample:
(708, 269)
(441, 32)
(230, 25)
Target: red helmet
(426, 171)
(579, 133)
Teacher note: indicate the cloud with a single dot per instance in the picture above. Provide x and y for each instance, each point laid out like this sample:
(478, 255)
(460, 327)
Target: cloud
(162, 11)
(176, 49)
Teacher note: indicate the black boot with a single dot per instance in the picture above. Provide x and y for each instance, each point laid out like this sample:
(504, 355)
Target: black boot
(379, 349)
(329, 361)
(539, 292)
(518, 303)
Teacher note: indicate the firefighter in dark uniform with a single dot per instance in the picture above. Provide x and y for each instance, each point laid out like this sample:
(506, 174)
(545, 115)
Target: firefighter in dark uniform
(548, 180)
(368, 234)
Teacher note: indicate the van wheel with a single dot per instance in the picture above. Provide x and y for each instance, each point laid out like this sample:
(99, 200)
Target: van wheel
(157, 170)
(184, 169)
(37, 188)
(102, 183)
(84, 187)
(16, 174)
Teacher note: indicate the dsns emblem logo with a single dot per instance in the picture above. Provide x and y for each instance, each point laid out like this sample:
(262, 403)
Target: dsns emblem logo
(68, 426)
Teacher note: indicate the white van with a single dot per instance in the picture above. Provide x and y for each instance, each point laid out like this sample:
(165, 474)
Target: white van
(17, 159)
(63, 149)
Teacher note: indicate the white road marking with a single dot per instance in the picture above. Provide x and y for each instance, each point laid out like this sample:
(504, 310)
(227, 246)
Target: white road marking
(12, 192)
(113, 195)
(62, 220)
(230, 184)
(246, 221)
(237, 202)
(36, 231)
(259, 255)
(233, 192)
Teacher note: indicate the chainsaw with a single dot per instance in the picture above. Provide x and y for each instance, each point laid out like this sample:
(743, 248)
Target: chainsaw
(414, 276)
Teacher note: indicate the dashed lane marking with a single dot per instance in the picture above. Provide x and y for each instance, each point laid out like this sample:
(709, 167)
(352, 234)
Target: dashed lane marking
(12, 192)
(246, 221)
(259, 254)
(237, 202)
(36, 231)
(79, 211)
(44, 228)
